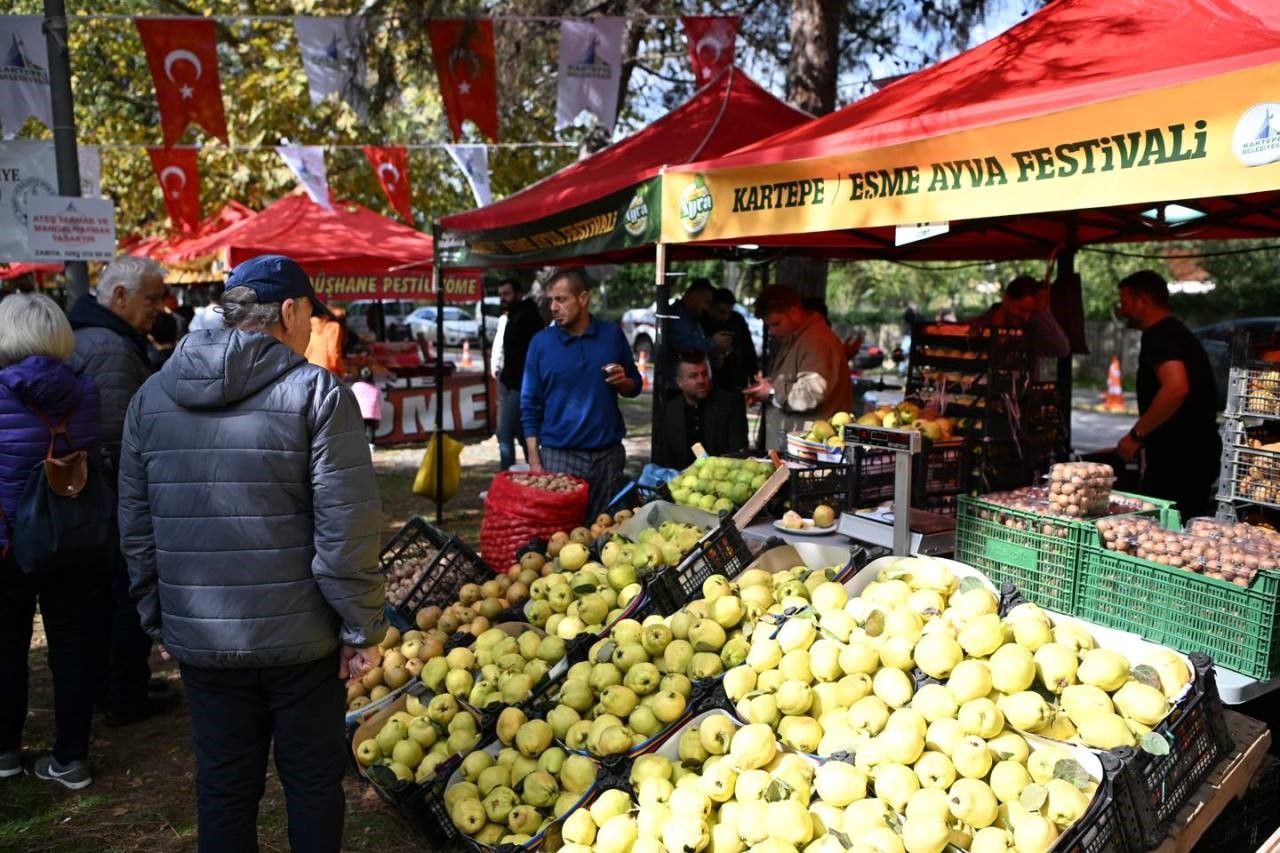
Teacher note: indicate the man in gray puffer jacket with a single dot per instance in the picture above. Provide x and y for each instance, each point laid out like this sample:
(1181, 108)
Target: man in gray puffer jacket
(250, 519)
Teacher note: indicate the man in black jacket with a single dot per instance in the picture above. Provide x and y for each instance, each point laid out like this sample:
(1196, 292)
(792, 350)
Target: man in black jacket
(250, 519)
(738, 368)
(523, 322)
(712, 417)
(111, 346)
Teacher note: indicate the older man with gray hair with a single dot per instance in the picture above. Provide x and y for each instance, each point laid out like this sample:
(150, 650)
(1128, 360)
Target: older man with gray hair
(250, 519)
(111, 347)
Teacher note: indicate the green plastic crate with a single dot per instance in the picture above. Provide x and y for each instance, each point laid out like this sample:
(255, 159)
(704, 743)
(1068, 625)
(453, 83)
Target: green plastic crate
(1184, 610)
(1040, 554)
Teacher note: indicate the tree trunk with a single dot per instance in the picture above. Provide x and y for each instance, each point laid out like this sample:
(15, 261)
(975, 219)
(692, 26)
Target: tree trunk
(811, 86)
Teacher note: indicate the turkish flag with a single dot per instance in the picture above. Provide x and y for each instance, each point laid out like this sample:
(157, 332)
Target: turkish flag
(391, 163)
(179, 178)
(711, 42)
(183, 55)
(463, 53)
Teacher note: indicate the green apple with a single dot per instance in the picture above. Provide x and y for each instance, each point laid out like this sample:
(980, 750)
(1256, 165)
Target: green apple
(368, 752)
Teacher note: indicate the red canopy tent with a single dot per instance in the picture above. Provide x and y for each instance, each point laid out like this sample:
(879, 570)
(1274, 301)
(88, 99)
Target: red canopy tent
(167, 248)
(598, 207)
(1097, 112)
(19, 269)
(349, 251)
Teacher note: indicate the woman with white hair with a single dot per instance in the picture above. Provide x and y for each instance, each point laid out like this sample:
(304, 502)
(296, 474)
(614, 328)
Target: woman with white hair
(38, 388)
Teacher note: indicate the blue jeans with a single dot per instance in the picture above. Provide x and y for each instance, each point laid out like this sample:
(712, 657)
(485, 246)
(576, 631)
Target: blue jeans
(509, 428)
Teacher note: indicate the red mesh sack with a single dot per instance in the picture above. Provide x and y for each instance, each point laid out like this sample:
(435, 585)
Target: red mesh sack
(515, 513)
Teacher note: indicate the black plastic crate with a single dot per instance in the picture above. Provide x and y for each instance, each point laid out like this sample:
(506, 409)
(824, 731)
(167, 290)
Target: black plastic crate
(872, 474)
(635, 495)
(722, 552)
(1153, 788)
(946, 468)
(450, 564)
(421, 804)
(1104, 827)
(1249, 821)
(811, 484)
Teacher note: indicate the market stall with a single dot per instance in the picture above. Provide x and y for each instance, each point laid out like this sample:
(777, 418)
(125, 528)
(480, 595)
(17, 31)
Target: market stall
(1075, 636)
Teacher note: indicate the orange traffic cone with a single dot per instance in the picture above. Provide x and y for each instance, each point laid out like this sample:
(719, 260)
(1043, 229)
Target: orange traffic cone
(642, 365)
(1113, 400)
(466, 354)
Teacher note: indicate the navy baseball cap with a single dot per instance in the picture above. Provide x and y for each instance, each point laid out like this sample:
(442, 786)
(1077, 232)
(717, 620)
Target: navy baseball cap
(276, 278)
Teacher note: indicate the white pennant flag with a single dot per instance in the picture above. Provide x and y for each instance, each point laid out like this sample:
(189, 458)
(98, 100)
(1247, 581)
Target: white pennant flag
(307, 162)
(24, 73)
(473, 160)
(590, 70)
(333, 54)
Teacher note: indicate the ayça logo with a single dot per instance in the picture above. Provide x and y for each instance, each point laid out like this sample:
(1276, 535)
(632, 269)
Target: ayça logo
(635, 219)
(695, 206)
(1256, 140)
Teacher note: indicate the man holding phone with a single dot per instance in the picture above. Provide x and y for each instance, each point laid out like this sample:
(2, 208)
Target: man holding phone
(573, 374)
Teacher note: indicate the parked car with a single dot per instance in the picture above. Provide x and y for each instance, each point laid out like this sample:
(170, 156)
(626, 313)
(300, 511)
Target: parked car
(639, 328)
(458, 327)
(1216, 340)
(395, 311)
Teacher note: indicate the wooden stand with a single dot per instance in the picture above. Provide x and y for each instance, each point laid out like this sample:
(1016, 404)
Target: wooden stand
(1228, 780)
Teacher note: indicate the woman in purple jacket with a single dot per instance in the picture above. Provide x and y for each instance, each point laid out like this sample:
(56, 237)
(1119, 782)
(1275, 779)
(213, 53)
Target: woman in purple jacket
(35, 342)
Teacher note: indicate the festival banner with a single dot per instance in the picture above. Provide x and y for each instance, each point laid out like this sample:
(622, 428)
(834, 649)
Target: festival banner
(409, 408)
(626, 219)
(590, 70)
(391, 164)
(473, 160)
(712, 39)
(333, 55)
(408, 284)
(1217, 136)
(462, 49)
(307, 162)
(28, 170)
(179, 178)
(24, 73)
(183, 56)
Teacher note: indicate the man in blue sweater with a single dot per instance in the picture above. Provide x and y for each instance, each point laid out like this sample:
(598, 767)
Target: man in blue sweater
(573, 374)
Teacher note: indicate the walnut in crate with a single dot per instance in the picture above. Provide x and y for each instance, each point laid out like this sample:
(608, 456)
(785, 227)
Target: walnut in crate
(405, 573)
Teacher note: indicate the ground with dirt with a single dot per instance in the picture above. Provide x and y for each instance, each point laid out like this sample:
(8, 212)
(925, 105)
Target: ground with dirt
(143, 795)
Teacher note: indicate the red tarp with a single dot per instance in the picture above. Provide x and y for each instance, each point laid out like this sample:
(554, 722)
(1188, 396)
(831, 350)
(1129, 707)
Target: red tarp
(161, 248)
(1070, 54)
(726, 114)
(349, 251)
(14, 270)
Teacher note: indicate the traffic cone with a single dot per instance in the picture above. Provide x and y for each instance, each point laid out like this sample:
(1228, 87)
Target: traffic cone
(1113, 400)
(642, 365)
(466, 354)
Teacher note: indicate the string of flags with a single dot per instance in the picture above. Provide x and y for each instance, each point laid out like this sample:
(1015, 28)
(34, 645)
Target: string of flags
(183, 59)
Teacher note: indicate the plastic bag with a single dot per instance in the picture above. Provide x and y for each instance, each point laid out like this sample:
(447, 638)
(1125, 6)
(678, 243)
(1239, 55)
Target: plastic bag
(515, 513)
(424, 483)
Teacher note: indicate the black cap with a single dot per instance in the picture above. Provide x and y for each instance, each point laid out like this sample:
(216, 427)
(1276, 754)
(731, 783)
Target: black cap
(276, 278)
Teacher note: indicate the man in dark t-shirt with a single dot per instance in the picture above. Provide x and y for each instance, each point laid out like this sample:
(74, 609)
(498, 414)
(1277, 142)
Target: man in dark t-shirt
(1177, 431)
(523, 322)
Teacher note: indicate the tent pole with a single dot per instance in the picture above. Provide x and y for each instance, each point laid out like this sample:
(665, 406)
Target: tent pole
(440, 396)
(660, 355)
(1067, 278)
(484, 358)
(64, 128)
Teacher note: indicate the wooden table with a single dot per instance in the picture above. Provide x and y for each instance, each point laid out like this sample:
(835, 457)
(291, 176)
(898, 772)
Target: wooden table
(1228, 780)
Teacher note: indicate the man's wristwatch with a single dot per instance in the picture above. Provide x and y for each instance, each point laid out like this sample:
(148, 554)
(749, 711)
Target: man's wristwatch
(1135, 436)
